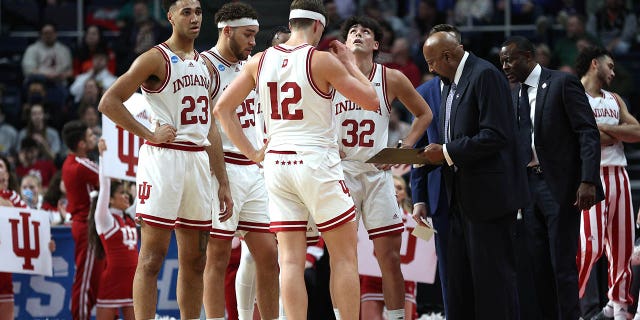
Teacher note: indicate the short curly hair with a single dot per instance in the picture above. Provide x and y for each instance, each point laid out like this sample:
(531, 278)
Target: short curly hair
(235, 10)
(363, 21)
(584, 58)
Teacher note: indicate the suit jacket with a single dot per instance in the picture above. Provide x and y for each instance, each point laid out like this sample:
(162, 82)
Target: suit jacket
(425, 183)
(485, 181)
(566, 137)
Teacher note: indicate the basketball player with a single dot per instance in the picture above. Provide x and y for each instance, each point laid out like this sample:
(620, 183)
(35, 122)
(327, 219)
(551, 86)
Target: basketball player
(302, 165)
(608, 225)
(80, 176)
(362, 134)
(237, 28)
(175, 164)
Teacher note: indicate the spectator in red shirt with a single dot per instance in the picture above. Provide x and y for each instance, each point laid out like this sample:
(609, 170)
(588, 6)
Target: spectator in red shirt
(80, 177)
(402, 61)
(30, 162)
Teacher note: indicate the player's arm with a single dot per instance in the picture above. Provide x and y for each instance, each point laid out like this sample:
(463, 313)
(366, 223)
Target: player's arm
(231, 98)
(628, 130)
(340, 71)
(150, 63)
(399, 86)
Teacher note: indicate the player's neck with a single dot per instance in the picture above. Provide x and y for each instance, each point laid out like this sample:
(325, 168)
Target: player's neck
(79, 153)
(225, 52)
(365, 64)
(592, 85)
(299, 37)
(181, 46)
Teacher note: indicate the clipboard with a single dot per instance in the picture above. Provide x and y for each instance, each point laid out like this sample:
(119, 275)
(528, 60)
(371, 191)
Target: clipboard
(398, 156)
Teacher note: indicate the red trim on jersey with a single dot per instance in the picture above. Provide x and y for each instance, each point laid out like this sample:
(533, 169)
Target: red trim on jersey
(6, 297)
(182, 146)
(183, 223)
(615, 97)
(167, 67)
(281, 152)
(260, 69)
(386, 231)
(283, 49)
(254, 226)
(310, 78)
(221, 234)
(216, 74)
(195, 52)
(237, 158)
(384, 89)
(220, 58)
(279, 226)
(373, 72)
(338, 221)
(312, 241)
(156, 221)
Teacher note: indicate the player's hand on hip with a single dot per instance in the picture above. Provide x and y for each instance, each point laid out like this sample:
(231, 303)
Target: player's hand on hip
(258, 155)
(226, 203)
(419, 213)
(164, 133)
(585, 196)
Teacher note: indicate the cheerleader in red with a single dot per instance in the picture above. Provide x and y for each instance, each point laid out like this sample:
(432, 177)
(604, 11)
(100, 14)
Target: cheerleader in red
(118, 236)
(8, 198)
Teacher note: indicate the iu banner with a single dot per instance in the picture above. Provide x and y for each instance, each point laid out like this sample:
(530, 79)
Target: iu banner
(417, 257)
(24, 241)
(121, 157)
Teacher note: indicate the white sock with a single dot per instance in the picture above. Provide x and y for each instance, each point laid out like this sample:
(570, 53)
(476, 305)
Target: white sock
(336, 313)
(246, 284)
(608, 310)
(397, 314)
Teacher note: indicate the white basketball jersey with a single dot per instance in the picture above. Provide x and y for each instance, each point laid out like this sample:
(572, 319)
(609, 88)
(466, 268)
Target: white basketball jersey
(606, 110)
(226, 71)
(363, 133)
(297, 114)
(183, 99)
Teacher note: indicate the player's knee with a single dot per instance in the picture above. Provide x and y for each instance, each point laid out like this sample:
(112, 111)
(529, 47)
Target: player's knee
(388, 257)
(151, 263)
(267, 257)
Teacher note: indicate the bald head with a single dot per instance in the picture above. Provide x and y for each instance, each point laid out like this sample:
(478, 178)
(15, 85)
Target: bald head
(443, 53)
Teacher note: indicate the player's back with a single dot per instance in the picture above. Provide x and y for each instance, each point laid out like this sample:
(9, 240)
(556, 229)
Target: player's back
(362, 133)
(297, 113)
(183, 98)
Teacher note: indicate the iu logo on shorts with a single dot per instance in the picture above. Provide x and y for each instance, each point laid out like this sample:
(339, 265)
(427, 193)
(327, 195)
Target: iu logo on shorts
(26, 252)
(284, 63)
(344, 187)
(144, 190)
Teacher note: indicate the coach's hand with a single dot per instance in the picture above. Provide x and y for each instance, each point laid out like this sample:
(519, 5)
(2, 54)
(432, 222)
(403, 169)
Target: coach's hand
(419, 213)
(163, 134)
(226, 203)
(585, 196)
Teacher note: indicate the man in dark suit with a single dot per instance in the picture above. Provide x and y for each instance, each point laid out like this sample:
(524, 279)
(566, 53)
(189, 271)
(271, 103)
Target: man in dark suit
(560, 146)
(485, 187)
(427, 186)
